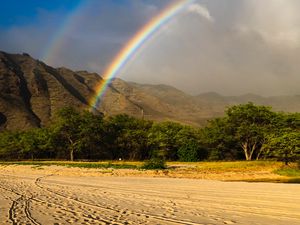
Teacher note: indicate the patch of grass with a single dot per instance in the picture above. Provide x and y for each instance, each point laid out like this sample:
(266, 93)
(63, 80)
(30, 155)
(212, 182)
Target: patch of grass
(34, 163)
(103, 165)
(288, 171)
(209, 167)
(237, 166)
(91, 165)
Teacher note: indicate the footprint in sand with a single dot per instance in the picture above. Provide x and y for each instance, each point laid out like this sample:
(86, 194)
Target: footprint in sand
(229, 222)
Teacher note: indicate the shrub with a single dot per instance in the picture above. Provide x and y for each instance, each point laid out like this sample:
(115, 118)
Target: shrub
(154, 164)
(191, 151)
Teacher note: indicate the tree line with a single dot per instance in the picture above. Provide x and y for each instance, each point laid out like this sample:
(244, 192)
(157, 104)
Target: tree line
(247, 131)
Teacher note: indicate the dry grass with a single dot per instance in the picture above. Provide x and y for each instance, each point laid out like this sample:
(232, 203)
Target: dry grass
(254, 171)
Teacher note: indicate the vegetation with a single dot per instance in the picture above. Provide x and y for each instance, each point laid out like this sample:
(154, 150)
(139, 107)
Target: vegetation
(155, 163)
(254, 132)
(290, 172)
(89, 165)
(246, 132)
(250, 171)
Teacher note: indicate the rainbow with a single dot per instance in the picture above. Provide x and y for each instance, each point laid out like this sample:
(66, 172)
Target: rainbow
(130, 49)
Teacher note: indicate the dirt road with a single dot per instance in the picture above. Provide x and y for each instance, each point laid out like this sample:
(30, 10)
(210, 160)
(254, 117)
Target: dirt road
(33, 196)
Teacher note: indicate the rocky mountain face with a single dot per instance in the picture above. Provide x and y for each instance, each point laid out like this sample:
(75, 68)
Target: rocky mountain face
(31, 92)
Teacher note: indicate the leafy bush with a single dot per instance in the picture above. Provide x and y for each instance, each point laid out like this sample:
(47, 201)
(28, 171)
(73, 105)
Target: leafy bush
(191, 152)
(155, 164)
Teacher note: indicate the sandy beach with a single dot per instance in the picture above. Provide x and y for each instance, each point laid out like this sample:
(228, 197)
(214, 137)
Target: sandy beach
(60, 195)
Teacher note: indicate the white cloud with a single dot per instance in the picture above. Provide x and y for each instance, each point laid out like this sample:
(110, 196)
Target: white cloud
(201, 10)
(276, 21)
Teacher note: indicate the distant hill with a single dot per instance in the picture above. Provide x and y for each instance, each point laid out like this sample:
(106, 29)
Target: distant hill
(31, 92)
(278, 103)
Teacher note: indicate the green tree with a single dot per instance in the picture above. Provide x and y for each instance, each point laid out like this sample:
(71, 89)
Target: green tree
(128, 136)
(284, 146)
(190, 147)
(92, 136)
(291, 120)
(220, 141)
(163, 141)
(245, 127)
(68, 128)
(288, 126)
(33, 142)
(10, 145)
(249, 125)
(77, 131)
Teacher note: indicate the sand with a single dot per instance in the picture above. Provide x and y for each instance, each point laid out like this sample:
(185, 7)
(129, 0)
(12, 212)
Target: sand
(59, 195)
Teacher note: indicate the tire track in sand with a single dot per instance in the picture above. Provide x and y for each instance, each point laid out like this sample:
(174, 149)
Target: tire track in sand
(111, 209)
(19, 211)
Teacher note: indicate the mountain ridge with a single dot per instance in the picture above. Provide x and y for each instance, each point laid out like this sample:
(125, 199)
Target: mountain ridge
(31, 93)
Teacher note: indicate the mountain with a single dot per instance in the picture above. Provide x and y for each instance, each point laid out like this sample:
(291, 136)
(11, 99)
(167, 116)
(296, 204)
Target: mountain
(31, 92)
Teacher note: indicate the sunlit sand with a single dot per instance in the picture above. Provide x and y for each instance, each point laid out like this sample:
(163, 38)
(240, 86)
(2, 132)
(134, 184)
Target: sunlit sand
(59, 195)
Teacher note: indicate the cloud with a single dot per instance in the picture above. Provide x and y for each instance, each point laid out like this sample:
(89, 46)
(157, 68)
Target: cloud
(276, 21)
(32, 37)
(93, 40)
(201, 11)
(247, 45)
(218, 56)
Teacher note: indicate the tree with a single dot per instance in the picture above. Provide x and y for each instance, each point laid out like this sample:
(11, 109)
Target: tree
(77, 131)
(10, 145)
(244, 127)
(128, 136)
(250, 124)
(220, 141)
(190, 147)
(281, 142)
(68, 128)
(291, 120)
(284, 146)
(92, 136)
(162, 139)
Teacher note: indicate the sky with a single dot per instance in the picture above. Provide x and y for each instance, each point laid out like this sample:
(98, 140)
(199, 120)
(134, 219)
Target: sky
(232, 47)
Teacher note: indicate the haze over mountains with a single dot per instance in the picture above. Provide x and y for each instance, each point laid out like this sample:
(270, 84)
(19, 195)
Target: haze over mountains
(31, 92)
